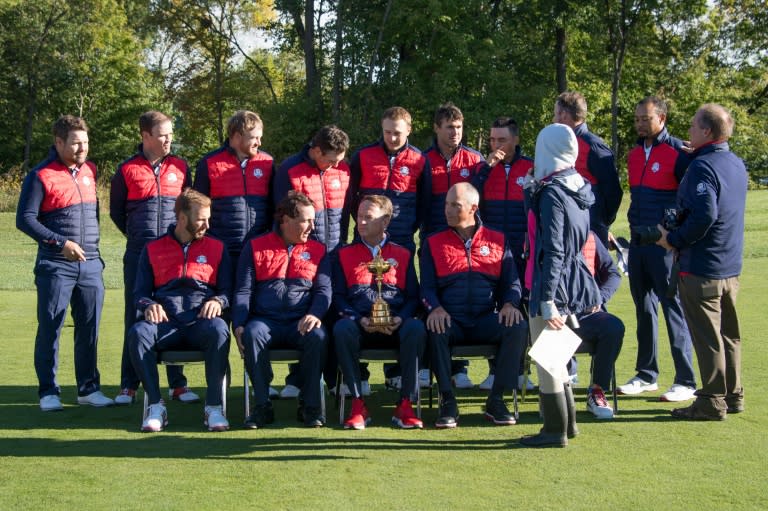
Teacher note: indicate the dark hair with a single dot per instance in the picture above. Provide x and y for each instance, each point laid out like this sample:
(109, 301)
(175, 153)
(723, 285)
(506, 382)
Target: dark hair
(717, 119)
(189, 198)
(447, 112)
(658, 104)
(290, 205)
(574, 104)
(507, 122)
(331, 139)
(242, 121)
(67, 123)
(150, 119)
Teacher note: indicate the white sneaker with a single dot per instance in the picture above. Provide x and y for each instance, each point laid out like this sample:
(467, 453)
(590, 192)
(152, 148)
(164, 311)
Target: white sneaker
(677, 393)
(598, 405)
(636, 386)
(487, 383)
(424, 378)
(273, 393)
(215, 420)
(290, 392)
(157, 418)
(394, 383)
(125, 397)
(462, 381)
(365, 388)
(97, 399)
(573, 378)
(183, 394)
(50, 403)
(344, 390)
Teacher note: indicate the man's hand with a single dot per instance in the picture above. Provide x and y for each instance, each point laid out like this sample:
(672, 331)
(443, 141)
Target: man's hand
(556, 323)
(495, 157)
(72, 251)
(392, 327)
(155, 314)
(210, 309)
(367, 326)
(510, 315)
(663, 240)
(307, 323)
(438, 321)
(239, 340)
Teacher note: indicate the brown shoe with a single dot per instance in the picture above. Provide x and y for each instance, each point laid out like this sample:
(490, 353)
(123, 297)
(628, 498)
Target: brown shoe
(692, 413)
(735, 403)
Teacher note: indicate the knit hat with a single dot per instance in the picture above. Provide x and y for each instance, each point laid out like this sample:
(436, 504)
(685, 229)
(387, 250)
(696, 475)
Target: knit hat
(556, 149)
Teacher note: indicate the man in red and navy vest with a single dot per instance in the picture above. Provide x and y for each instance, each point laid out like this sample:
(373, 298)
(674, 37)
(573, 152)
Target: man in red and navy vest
(142, 195)
(467, 274)
(354, 293)
(183, 285)
(394, 168)
(58, 208)
(595, 162)
(320, 172)
(238, 179)
(283, 290)
(655, 168)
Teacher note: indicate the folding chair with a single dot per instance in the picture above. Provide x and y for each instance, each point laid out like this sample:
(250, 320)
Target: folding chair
(278, 356)
(476, 352)
(375, 355)
(186, 357)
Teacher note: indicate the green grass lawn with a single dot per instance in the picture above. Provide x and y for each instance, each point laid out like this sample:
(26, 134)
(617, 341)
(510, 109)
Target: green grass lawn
(84, 458)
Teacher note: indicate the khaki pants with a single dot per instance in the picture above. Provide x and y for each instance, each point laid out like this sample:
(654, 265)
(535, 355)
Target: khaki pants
(710, 310)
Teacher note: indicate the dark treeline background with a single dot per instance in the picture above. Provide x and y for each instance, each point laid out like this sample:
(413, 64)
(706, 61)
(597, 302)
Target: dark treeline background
(344, 61)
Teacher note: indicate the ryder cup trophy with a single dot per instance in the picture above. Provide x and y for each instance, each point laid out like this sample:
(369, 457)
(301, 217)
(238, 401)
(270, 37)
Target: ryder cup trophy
(380, 317)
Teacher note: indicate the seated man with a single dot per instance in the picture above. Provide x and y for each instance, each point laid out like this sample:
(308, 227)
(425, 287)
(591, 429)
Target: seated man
(598, 326)
(354, 292)
(283, 290)
(182, 287)
(467, 274)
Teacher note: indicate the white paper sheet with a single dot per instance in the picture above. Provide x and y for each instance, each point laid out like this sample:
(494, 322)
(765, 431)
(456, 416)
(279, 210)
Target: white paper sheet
(553, 349)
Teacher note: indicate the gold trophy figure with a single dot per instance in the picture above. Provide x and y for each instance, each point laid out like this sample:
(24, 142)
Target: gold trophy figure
(380, 317)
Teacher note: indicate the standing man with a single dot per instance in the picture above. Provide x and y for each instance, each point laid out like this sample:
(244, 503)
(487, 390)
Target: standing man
(655, 168)
(710, 241)
(354, 293)
(450, 162)
(58, 208)
(394, 168)
(595, 163)
(183, 285)
(238, 179)
(467, 275)
(142, 195)
(283, 290)
(320, 172)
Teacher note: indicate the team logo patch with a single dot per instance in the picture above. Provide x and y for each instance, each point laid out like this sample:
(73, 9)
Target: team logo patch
(701, 189)
(201, 259)
(257, 173)
(655, 167)
(86, 181)
(520, 181)
(172, 177)
(335, 184)
(405, 171)
(305, 256)
(485, 251)
(392, 262)
(464, 173)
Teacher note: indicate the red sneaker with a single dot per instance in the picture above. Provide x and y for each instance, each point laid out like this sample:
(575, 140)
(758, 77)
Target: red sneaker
(358, 417)
(404, 417)
(183, 394)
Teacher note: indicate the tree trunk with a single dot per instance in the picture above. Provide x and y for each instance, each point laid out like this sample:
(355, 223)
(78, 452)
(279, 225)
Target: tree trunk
(561, 59)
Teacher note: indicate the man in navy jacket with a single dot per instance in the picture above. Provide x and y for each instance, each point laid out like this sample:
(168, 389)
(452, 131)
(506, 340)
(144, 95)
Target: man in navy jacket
(183, 285)
(58, 208)
(710, 241)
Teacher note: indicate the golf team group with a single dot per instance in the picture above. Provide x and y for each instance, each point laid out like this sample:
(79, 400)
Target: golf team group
(510, 248)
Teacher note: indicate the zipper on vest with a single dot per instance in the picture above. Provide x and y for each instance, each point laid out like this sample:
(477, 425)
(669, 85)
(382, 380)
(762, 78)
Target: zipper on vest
(248, 226)
(325, 213)
(156, 170)
(73, 172)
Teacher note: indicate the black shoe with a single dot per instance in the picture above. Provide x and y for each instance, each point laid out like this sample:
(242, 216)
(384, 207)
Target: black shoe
(497, 412)
(448, 416)
(313, 417)
(261, 416)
